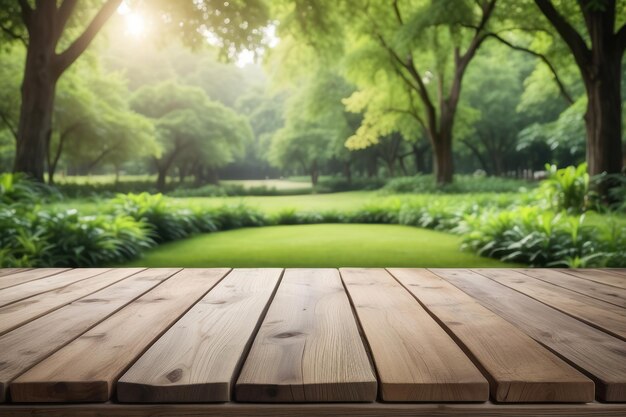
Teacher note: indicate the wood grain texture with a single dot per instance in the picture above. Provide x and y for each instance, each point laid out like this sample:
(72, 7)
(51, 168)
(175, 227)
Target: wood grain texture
(15, 276)
(593, 352)
(87, 368)
(34, 341)
(199, 356)
(598, 275)
(308, 347)
(317, 410)
(10, 271)
(612, 295)
(415, 359)
(604, 316)
(518, 368)
(28, 289)
(16, 314)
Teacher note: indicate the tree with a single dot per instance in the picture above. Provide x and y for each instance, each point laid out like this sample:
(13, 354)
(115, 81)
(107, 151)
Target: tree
(93, 123)
(598, 54)
(191, 127)
(428, 46)
(46, 28)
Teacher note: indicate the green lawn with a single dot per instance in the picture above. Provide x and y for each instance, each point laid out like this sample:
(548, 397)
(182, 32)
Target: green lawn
(325, 245)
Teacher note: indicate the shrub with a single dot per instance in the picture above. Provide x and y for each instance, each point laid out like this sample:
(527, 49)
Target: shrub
(166, 223)
(566, 188)
(536, 237)
(462, 184)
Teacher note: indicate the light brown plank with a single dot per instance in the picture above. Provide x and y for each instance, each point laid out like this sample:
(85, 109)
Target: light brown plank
(518, 368)
(26, 275)
(316, 410)
(308, 347)
(416, 360)
(28, 289)
(613, 295)
(16, 314)
(604, 316)
(11, 271)
(593, 352)
(87, 368)
(598, 275)
(34, 341)
(198, 358)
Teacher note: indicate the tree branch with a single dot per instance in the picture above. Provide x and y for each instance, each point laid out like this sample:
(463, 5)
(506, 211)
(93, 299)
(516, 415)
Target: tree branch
(13, 34)
(543, 58)
(67, 57)
(64, 12)
(570, 36)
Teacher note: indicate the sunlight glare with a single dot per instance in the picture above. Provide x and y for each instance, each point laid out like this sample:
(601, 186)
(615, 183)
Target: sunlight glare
(135, 25)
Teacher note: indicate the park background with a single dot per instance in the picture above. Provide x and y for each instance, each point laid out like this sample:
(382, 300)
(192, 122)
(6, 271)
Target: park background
(312, 133)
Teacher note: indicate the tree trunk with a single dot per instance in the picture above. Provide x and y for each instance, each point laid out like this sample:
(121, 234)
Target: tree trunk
(604, 120)
(442, 160)
(314, 174)
(418, 155)
(161, 178)
(38, 87)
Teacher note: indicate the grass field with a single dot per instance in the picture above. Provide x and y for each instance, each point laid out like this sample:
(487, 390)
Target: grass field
(324, 245)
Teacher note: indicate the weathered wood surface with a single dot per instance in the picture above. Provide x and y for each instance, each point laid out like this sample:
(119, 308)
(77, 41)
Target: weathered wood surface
(15, 276)
(11, 271)
(198, 358)
(87, 368)
(597, 275)
(25, 290)
(613, 295)
(317, 410)
(81, 330)
(604, 316)
(24, 347)
(18, 313)
(416, 360)
(597, 354)
(519, 369)
(308, 348)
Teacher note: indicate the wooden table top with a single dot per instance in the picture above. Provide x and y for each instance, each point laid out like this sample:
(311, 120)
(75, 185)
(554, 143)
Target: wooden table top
(312, 342)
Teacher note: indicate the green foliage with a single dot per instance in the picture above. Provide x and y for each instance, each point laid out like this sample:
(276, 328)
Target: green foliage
(166, 224)
(537, 237)
(16, 189)
(462, 184)
(566, 188)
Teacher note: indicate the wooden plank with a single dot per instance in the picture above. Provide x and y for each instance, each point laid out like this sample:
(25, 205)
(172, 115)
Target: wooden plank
(11, 271)
(416, 360)
(16, 314)
(86, 369)
(593, 352)
(34, 341)
(604, 316)
(613, 295)
(518, 368)
(316, 410)
(308, 347)
(198, 358)
(26, 275)
(598, 275)
(28, 289)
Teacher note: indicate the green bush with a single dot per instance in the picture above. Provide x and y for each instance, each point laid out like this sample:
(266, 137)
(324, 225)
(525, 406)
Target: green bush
(566, 188)
(462, 184)
(166, 223)
(537, 237)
